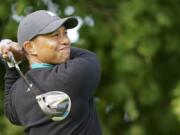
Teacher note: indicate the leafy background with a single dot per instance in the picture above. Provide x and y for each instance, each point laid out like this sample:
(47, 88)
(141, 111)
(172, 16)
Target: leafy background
(137, 42)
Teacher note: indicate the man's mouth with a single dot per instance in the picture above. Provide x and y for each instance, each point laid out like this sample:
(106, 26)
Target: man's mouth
(64, 48)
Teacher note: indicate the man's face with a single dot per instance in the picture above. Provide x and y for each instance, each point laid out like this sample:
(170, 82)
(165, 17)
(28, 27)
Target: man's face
(53, 48)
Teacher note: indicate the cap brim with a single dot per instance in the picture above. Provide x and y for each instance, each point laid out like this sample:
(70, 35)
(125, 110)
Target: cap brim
(69, 23)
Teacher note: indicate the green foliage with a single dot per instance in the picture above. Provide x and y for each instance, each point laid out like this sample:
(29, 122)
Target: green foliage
(137, 43)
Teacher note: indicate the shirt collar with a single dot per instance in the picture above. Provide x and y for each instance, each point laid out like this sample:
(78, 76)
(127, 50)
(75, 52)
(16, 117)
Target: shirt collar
(41, 65)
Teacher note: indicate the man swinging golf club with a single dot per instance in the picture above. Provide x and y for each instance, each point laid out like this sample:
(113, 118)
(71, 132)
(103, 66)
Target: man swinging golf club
(55, 96)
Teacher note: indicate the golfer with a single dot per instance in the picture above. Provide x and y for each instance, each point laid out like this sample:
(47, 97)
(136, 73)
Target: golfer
(53, 66)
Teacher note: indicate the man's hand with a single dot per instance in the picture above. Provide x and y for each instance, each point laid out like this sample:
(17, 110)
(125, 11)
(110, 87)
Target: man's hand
(15, 49)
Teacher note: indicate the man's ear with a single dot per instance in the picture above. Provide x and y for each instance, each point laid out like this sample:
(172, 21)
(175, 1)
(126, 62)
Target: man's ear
(29, 48)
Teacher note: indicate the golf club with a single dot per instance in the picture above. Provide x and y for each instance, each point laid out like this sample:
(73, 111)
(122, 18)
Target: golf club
(55, 104)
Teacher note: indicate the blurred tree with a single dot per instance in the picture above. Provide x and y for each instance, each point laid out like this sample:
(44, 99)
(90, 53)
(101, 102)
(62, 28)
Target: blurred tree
(137, 42)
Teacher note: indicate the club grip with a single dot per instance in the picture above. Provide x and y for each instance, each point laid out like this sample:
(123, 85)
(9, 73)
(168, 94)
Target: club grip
(11, 57)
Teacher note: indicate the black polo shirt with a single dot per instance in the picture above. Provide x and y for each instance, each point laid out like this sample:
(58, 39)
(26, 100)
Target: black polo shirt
(78, 78)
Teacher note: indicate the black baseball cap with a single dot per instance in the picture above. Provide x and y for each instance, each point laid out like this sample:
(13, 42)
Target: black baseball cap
(42, 22)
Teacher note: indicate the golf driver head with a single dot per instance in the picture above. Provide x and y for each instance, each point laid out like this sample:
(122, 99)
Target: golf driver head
(55, 104)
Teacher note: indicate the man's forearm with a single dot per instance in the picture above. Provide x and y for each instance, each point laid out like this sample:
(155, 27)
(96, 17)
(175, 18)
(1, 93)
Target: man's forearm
(10, 77)
(78, 52)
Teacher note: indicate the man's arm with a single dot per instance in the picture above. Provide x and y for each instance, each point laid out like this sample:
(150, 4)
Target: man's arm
(82, 72)
(11, 77)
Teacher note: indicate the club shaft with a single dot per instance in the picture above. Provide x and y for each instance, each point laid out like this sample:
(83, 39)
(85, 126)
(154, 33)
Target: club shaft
(29, 85)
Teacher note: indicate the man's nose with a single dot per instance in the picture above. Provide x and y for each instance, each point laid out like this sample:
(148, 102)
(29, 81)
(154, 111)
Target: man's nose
(64, 40)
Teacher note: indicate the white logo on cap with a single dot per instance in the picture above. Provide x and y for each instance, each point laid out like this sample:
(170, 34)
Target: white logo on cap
(51, 13)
